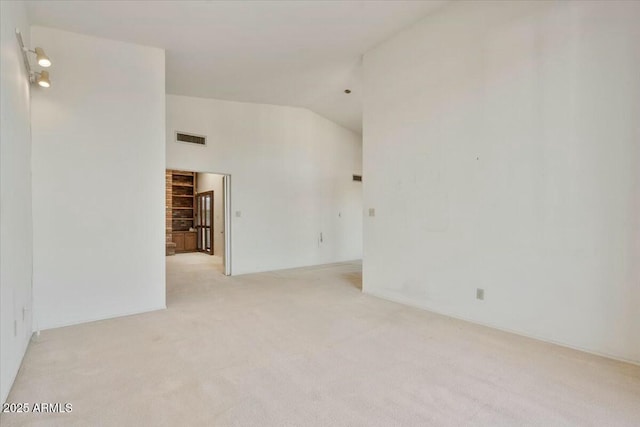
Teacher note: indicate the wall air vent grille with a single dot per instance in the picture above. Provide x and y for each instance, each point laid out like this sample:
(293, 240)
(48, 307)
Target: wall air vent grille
(357, 178)
(191, 138)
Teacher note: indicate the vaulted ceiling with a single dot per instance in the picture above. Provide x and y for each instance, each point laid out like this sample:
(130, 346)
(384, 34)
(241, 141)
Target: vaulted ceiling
(298, 53)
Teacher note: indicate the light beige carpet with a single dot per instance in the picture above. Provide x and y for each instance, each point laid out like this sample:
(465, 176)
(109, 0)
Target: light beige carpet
(306, 348)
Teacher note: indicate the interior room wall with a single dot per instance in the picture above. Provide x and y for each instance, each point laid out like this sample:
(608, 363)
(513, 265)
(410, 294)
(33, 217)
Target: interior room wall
(291, 179)
(98, 180)
(15, 196)
(213, 182)
(502, 151)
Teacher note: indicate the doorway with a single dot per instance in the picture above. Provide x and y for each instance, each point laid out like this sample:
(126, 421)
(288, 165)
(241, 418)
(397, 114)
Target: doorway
(198, 226)
(204, 222)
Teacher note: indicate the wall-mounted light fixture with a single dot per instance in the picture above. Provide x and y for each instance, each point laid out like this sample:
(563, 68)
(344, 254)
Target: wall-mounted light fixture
(41, 57)
(43, 79)
(40, 77)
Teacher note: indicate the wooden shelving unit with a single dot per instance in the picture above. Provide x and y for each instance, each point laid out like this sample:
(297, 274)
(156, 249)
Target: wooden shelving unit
(183, 211)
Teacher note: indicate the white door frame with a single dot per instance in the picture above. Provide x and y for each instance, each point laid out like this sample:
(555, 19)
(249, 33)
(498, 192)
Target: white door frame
(226, 198)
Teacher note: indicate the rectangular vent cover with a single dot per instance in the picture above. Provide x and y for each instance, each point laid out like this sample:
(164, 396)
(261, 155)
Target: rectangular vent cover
(191, 138)
(357, 178)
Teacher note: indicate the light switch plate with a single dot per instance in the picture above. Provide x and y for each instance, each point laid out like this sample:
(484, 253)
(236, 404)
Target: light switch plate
(372, 212)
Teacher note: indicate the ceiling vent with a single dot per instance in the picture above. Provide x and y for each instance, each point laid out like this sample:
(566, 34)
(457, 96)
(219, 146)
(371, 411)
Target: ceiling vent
(190, 138)
(357, 178)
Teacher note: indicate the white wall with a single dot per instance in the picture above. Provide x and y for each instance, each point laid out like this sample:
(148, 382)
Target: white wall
(98, 180)
(15, 196)
(213, 182)
(502, 151)
(291, 179)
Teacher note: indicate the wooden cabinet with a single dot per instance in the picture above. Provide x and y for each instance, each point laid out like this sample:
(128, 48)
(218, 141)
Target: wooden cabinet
(186, 241)
(190, 241)
(178, 239)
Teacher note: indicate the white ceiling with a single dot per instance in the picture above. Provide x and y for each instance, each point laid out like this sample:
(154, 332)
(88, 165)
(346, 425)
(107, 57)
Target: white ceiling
(300, 53)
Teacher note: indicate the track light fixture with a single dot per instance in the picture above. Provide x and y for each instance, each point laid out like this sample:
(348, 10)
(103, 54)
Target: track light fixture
(42, 58)
(40, 77)
(43, 79)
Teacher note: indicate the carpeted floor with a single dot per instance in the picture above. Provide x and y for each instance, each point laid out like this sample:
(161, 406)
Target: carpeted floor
(305, 347)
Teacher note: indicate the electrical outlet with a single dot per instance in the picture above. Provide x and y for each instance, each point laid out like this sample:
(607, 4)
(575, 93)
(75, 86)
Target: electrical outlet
(480, 294)
(372, 212)
(238, 214)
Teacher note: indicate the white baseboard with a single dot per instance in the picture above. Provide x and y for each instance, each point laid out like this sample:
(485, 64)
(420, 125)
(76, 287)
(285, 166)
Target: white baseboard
(411, 303)
(102, 317)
